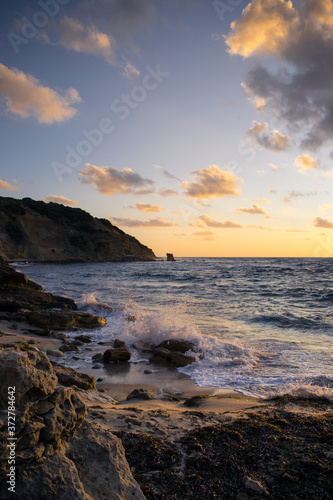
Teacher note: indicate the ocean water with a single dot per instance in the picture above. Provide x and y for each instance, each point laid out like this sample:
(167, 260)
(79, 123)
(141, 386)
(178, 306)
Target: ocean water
(263, 326)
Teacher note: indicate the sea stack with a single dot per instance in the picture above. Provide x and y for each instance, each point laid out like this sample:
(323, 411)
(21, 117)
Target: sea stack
(170, 257)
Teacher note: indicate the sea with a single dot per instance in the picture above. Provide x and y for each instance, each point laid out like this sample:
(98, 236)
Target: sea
(260, 326)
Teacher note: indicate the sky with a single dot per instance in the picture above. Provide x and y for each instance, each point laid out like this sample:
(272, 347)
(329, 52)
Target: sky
(202, 128)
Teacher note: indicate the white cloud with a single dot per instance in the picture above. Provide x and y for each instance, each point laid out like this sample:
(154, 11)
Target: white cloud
(61, 200)
(212, 182)
(26, 96)
(111, 181)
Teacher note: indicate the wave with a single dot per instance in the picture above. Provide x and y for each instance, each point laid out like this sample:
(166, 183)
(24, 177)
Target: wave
(288, 321)
(89, 301)
(307, 389)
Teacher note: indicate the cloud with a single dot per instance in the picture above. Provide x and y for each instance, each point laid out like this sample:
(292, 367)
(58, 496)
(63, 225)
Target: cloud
(6, 185)
(276, 168)
(75, 36)
(292, 195)
(166, 173)
(318, 222)
(167, 192)
(327, 207)
(26, 96)
(296, 89)
(111, 181)
(205, 235)
(105, 28)
(61, 200)
(147, 207)
(305, 163)
(130, 70)
(123, 221)
(213, 223)
(254, 210)
(263, 200)
(212, 182)
(262, 136)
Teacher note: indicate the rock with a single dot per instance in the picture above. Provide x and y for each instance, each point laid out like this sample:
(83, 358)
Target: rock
(9, 306)
(119, 343)
(176, 345)
(255, 486)
(84, 338)
(58, 335)
(31, 342)
(54, 353)
(170, 257)
(65, 320)
(195, 401)
(30, 372)
(116, 354)
(67, 376)
(98, 357)
(78, 343)
(140, 394)
(175, 358)
(68, 347)
(99, 458)
(148, 372)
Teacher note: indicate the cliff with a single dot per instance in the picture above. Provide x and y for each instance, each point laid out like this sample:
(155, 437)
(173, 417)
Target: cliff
(48, 232)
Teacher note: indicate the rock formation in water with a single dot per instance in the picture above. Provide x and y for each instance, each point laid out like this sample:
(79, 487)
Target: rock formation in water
(48, 232)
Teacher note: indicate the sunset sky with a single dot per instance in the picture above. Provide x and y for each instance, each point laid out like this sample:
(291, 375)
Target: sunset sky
(203, 128)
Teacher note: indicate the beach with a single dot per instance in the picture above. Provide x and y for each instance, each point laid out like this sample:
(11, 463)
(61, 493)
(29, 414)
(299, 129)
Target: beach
(184, 441)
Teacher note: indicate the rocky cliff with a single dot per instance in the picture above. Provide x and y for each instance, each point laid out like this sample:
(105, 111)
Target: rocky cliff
(48, 232)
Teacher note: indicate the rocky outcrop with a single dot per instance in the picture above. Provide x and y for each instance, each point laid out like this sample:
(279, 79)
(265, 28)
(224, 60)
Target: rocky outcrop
(48, 232)
(57, 454)
(24, 300)
(174, 358)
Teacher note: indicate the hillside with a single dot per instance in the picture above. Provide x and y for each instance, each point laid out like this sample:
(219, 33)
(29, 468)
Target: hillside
(48, 232)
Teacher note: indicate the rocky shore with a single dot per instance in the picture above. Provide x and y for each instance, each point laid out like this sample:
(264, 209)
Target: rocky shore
(77, 437)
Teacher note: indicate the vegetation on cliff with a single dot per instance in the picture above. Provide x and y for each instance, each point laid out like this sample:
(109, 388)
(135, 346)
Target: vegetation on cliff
(49, 232)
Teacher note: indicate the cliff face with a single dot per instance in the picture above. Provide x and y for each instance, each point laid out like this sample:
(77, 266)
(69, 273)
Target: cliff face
(49, 232)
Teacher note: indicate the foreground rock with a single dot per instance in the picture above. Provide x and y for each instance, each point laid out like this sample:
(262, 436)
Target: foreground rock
(58, 453)
(68, 376)
(117, 354)
(24, 300)
(174, 358)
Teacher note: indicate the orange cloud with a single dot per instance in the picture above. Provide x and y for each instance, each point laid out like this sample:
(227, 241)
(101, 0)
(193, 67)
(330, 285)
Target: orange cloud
(254, 210)
(318, 222)
(263, 137)
(305, 163)
(26, 97)
(111, 181)
(262, 29)
(61, 200)
(212, 182)
(123, 221)
(6, 185)
(213, 223)
(147, 207)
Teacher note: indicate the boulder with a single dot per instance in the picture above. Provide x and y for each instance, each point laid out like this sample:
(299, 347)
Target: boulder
(177, 345)
(83, 338)
(30, 372)
(141, 394)
(116, 354)
(67, 376)
(119, 343)
(175, 358)
(64, 320)
(68, 346)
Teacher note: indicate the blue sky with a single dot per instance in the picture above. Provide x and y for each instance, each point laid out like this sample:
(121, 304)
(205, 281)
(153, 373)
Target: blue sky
(193, 135)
